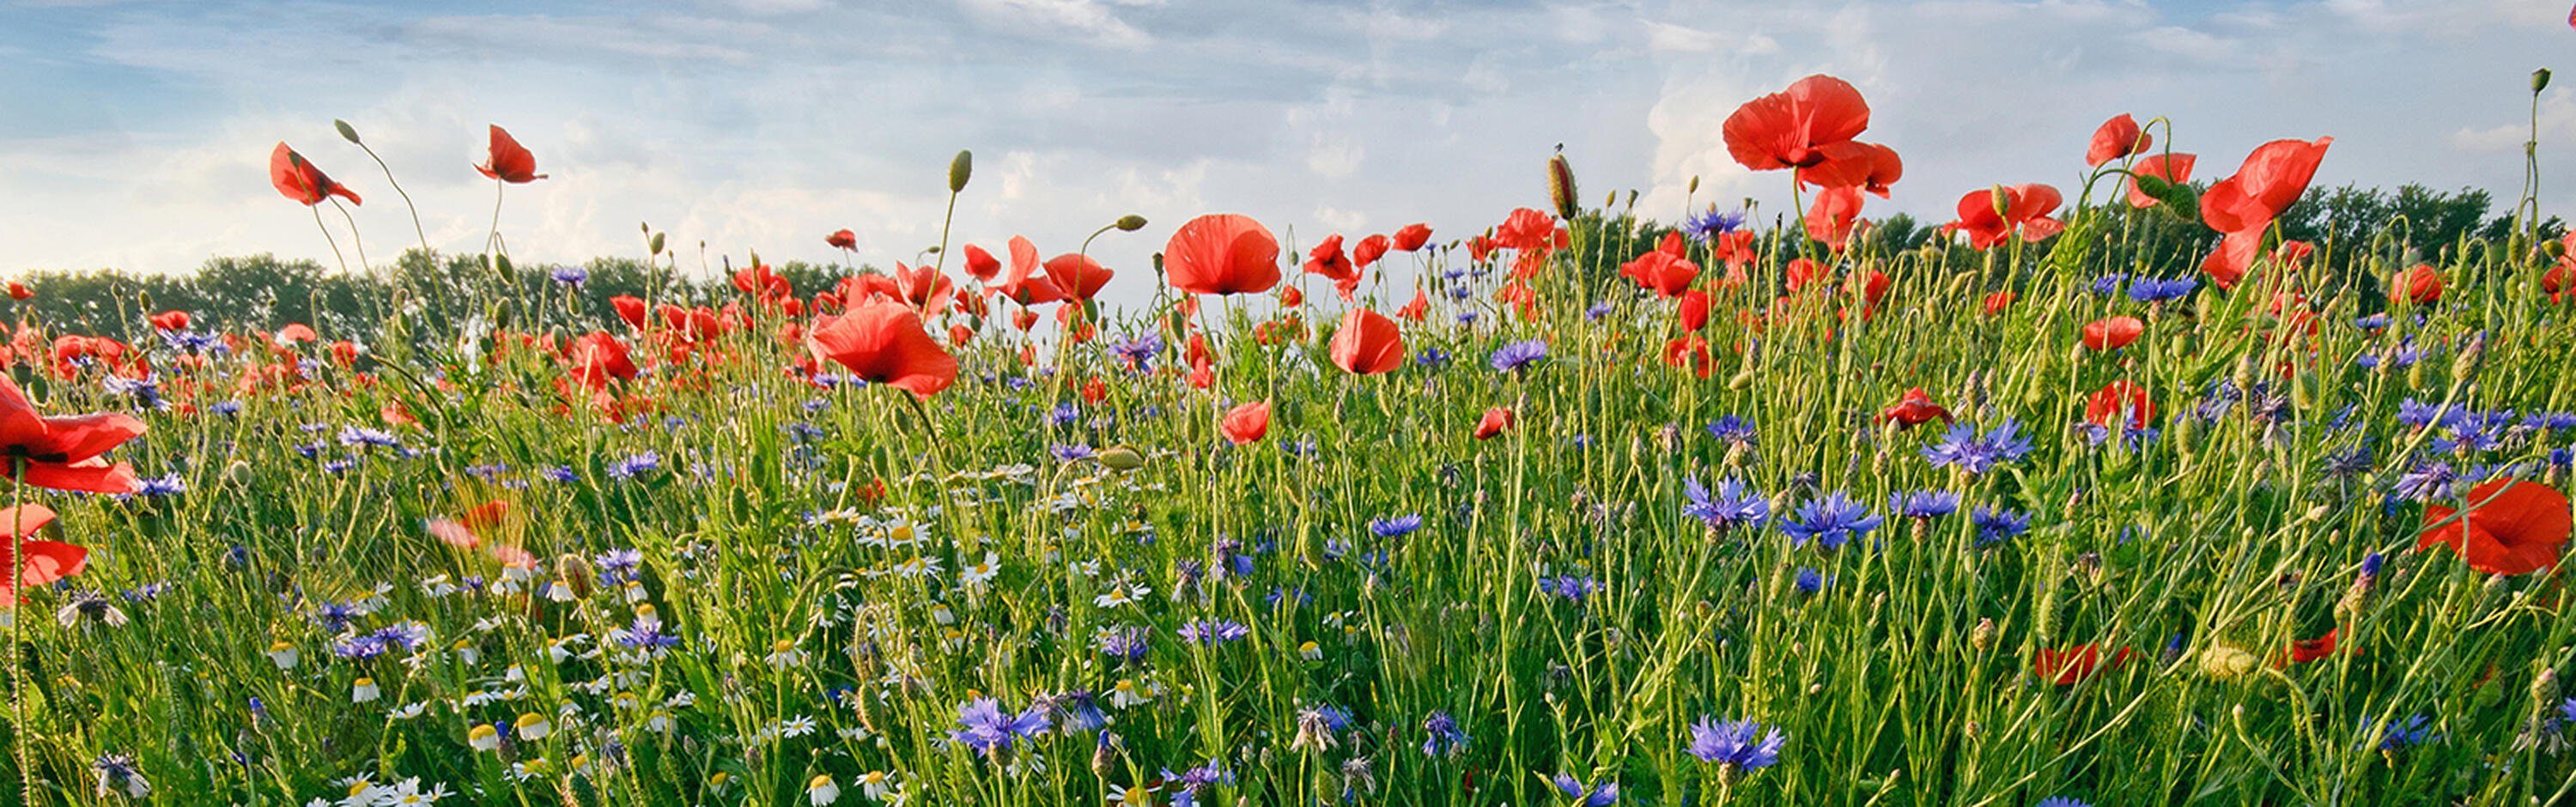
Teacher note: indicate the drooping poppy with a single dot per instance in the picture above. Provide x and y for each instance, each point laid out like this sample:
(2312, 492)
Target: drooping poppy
(1412, 237)
(1996, 215)
(46, 561)
(630, 309)
(2171, 168)
(2229, 262)
(2120, 402)
(2510, 527)
(1222, 254)
(845, 239)
(1368, 343)
(2113, 333)
(2270, 180)
(882, 341)
(2117, 138)
(63, 452)
(299, 180)
(1797, 127)
(2420, 284)
(1832, 216)
(982, 264)
(170, 320)
(1866, 166)
(1692, 310)
(1077, 276)
(1022, 285)
(1369, 250)
(1915, 409)
(2303, 651)
(1664, 270)
(598, 358)
(1494, 422)
(1246, 422)
(508, 161)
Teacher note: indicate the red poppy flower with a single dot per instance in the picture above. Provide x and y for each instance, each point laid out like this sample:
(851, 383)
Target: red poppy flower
(1077, 276)
(1833, 215)
(19, 291)
(509, 161)
(1417, 308)
(2113, 333)
(299, 180)
(2117, 400)
(1493, 423)
(1022, 285)
(62, 452)
(2234, 256)
(597, 358)
(2172, 168)
(2303, 651)
(923, 286)
(1867, 166)
(1368, 343)
(1798, 127)
(982, 264)
(2421, 285)
(2023, 211)
(2119, 137)
(2271, 178)
(1692, 309)
(1528, 229)
(1802, 272)
(2074, 664)
(1664, 271)
(1998, 302)
(1369, 250)
(630, 309)
(882, 341)
(1480, 247)
(1412, 237)
(47, 561)
(844, 239)
(1689, 350)
(171, 320)
(1222, 254)
(1290, 297)
(2511, 527)
(1246, 422)
(1915, 409)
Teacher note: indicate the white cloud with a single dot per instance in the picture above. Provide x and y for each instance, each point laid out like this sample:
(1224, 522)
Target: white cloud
(1050, 18)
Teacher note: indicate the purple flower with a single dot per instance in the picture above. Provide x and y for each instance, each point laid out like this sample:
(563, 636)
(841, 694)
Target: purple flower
(1742, 744)
(1213, 631)
(1923, 504)
(1518, 356)
(1395, 526)
(1588, 796)
(1962, 448)
(1830, 521)
(1734, 504)
(983, 726)
(1996, 525)
(1445, 736)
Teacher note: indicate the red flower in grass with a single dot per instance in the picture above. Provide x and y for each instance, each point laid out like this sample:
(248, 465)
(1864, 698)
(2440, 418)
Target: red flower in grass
(1246, 422)
(2119, 137)
(1808, 124)
(1022, 285)
(1999, 302)
(1834, 214)
(2172, 168)
(882, 341)
(1369, 250)
(1996, 215)
(844, 239)
(1368, 343)
(1689, 350)
(2302, 651)
(2074, 664)
(1915, 409)
(2119, 402)
(2233, 257)
(982, 264)
(1077, 276)
(298, 179)
(2113, 333)
(2509, 527)
(1222, 254)
(1412, 237)
(46, 561)
(19, 291)
(1528, 229)
(1417, 308)
(1665, 270)
(2269, 181)
(62, 452)
(464, 531)
(597, 358)
(1494, 422)
(629, 308)
(171, 320)
(2420, 284)
(508, 161)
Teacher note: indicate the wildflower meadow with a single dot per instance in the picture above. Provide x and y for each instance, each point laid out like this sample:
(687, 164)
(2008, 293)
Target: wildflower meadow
(2106, 492)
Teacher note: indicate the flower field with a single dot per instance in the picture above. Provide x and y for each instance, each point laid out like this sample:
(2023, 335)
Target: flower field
(1559, 508)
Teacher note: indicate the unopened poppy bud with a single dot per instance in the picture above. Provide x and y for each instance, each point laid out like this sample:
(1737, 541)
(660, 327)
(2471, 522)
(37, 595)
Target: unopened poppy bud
(1560, 186)
(1632, 197)
(2003, 199)
(2553, 249)
(576, 573)
(237, 473)
(350, 133)
(2539, 81)
(1130, 223)
(959, 170)
(1694, 184)
(2544, 688)
(656, 244)
(1121, 458)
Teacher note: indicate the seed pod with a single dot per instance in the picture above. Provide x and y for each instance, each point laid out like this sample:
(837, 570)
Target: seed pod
(1694, 184)
(1121, 458)
(656, 243)
(576, 573)
(1130, 223)
(2539, 80)
(959, 169)
(1560, 186)
(350, 133)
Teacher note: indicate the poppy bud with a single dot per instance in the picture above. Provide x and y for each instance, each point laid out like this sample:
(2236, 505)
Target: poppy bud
(1632, 197)
(577, 574)
(2539, 81)
(656, 244)
(350, 133)
(1130, 223)
(1560, 186)
(959, 169)
(2553, 248)
(2003, 201)
(237, 473)
(1121, 458)
(1694, 184)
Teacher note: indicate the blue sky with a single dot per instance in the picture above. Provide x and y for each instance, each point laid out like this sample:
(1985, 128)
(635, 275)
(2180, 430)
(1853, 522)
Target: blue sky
(138, 132)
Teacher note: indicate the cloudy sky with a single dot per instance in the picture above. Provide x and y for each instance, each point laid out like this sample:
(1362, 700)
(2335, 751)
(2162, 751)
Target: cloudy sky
(135, 134)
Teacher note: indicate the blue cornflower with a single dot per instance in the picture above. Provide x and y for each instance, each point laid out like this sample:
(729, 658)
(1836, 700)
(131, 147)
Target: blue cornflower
(1597, 311)
(170, 485)
(2395, 734)
(618, 565)
(2061, 801)
(1071, 452)
(2151, 290)
(1445, 736)
(226, 408)
(1573, 588)
(1139, 351)
(1518, 356)
(645, 634)
(2371, 323)
(1741, 744)
(1733, 430)
(2417, 414)
(561, 473)
(2347, 464)
(1923, 504)
(1395, 526)
(1432, 357)
(983, 726)
(1808, 581)
(1707, 225)
(1073, 711)
(360, 436)
(572, 276)
(2426, 481)
(1734, 505)
(2109, 284)
(1124, 643)
(1213, 631)
(1962, 448)
(1996, 525)
(1589, 796)
(1829, 521)
(1064, 414)
(635, 465)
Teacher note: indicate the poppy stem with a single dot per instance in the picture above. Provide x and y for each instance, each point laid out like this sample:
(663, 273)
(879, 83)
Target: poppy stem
(18, 732)
(327, 239)
(354, 241)
(425, 253)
